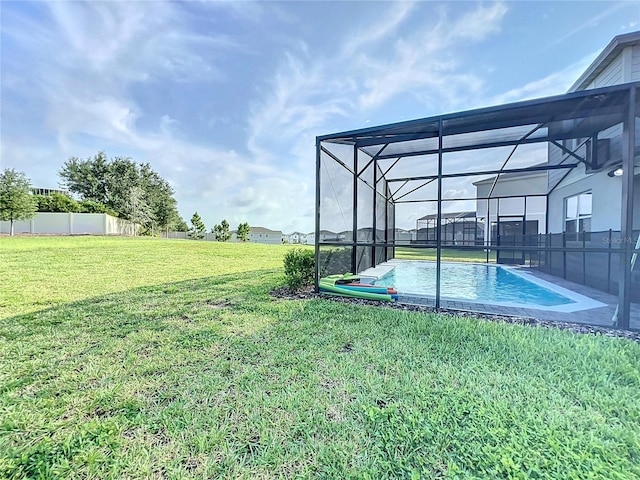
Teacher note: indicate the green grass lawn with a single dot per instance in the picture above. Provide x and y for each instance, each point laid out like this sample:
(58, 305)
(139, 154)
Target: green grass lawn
(133, 358)
(448, 254)
(41, 272)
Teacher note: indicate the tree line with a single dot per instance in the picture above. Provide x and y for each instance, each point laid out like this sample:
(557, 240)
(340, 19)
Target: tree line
(118, 186)
(133, 190)
(221, 230)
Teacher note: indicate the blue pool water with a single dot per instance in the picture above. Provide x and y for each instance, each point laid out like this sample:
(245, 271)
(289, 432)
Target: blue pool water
(474, 282)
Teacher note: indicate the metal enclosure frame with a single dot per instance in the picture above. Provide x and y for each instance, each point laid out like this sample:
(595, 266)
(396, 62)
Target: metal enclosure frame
(578, 116)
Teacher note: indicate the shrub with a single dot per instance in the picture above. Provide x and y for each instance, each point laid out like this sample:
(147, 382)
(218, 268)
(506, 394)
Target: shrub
(88, 206)
(56, 202)
(299, 267)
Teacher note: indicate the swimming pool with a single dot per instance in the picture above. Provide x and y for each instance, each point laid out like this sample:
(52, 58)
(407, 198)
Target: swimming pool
(481, 283)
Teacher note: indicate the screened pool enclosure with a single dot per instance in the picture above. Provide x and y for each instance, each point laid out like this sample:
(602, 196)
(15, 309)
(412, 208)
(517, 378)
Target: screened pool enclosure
(544, 188)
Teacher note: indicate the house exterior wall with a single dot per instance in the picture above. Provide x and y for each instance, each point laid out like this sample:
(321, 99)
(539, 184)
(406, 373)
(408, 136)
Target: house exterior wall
(612, 75)
(270, 237)
(606, 191)
(634, 70)
(527, 185)
(296, 237)
(606, 197)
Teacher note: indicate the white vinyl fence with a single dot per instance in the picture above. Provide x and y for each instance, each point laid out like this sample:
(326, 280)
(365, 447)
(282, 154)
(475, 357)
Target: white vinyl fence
(45, 223)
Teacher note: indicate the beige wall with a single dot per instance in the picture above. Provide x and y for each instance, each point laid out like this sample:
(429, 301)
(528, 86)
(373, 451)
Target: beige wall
(46, 223)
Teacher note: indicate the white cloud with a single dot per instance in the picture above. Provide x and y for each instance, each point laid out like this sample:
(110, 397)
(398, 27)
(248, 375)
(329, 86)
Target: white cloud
(310, 91)
(85, 61)
(556, 83)
(297, 102)
(87, 64)
(591, 22)
(386, 26)
(106, 118)
(423, 63)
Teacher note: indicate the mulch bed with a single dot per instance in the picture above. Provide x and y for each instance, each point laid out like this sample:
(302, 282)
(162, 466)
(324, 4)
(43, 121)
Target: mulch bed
(307, 293)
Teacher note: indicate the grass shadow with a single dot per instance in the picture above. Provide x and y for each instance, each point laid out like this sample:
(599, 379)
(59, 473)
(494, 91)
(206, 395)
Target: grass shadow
(214, 378)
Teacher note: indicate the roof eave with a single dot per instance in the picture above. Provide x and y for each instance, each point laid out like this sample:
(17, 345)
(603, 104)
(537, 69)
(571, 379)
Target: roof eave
(603, 60)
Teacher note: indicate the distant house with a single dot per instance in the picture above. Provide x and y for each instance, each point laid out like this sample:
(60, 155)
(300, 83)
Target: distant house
(310, 238)
(265, 235)
(329, 236)
(295, 237)
(404, 236)
(457, 228)
(48, 191)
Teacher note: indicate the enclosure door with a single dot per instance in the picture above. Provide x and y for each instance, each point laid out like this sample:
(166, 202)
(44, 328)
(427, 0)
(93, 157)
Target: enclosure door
(510, 232)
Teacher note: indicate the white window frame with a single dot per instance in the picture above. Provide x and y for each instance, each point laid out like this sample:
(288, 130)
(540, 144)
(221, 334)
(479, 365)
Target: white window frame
(579, 214)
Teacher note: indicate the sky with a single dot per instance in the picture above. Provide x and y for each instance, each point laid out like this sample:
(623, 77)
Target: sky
(225, 99)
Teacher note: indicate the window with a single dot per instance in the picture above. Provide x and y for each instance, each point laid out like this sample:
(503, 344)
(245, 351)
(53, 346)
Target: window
(577, 217)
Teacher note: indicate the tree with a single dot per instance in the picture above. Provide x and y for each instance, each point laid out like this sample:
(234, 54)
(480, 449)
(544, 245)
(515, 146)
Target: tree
(178, 224)
(159, 197)
(197, 227)
(243, 232)
(136, 209)
(16, 200)
(222, 231)
(135, 191)
(88, 178)
(56, 202)
(89, 206)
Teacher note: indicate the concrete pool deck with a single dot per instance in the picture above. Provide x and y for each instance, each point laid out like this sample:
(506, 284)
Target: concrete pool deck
(600, 315)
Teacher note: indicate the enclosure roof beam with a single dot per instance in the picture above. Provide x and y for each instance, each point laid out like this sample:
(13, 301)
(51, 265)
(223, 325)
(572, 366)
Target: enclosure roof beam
(472, 199)
(486, 172)
(333, 157)
(373, 158)
(570, 106)
(399, 188)
(344, 165)
(513, 150)
(411, 191)
(389, 139)
(584, 124)
(572, 153)
(567, 172)
(384, 175)
(479, 146)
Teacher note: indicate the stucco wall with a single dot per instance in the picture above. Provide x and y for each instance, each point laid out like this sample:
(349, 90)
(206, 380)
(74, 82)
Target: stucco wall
(606, 200)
